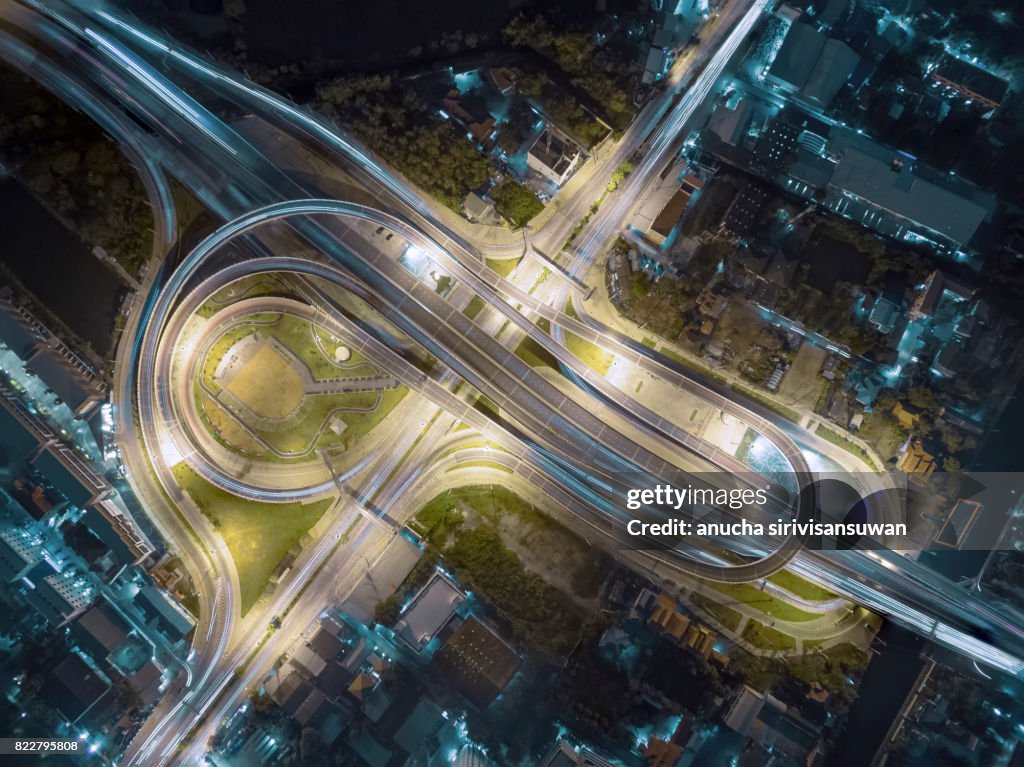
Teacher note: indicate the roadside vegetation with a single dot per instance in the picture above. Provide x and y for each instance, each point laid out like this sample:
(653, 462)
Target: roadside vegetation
(499, 545)
(65, 160)
(766, 638)
(392, 118)
(728, 617)
(258, 535)
(515, 202)
(745, 593)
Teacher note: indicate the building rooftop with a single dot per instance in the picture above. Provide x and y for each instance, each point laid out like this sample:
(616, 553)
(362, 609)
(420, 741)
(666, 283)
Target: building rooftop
(173, 621)
(958, 524)
(554, 152)
(901, 192)
(730, 124)
(812, 64)
(504, 78)
(146, 682)
(55, 373)
(939, 285)
(100, 630)
(917, 462)
(766, 720)
(477, 208)
(666, 221)
(73, 687)
(795, 59)
(833, 68)
(325, 642)
(974, 79)
(429, 611)
(479, 662)
(422, 724)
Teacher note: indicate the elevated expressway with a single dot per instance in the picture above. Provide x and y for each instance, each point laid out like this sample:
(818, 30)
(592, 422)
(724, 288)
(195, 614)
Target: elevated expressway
(563, 436)
(193, 142)
(188, 127)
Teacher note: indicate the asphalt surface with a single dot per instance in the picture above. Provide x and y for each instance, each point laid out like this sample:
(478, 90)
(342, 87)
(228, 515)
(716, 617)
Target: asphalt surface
(203, 153)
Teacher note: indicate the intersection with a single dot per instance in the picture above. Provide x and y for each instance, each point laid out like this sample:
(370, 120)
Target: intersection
(549, 439)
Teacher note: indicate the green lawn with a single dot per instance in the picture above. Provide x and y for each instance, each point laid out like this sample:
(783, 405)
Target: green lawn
(800, 586)
(850, 447)
(535, 355)
(318, 409)
(221, 346)
(503, 266)
(474, 307)
(258, 535)
(767, 638)
(297, 335)
(746, 594)
(726, 615)
(594, 356)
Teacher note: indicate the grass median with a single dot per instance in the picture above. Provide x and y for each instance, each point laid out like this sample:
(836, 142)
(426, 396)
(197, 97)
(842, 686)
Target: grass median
(728, 617)
(801, 587)
(258, 535)
(766, 638)
(744, 593)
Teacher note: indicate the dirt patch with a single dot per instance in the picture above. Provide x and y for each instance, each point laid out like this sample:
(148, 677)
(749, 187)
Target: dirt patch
(801, 385)
(268, 384)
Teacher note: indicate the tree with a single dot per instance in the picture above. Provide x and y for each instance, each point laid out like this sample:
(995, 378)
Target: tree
(624, 169)
(955, 441)
(515, 202)
(517, 127)
(394, 121)
(387, 611)
(922, 398)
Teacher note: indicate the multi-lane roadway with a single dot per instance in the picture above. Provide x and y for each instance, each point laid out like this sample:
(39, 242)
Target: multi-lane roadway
(114, 68)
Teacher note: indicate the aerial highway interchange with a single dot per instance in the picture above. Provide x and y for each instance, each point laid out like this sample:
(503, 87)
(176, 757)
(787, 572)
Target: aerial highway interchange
(148, 93)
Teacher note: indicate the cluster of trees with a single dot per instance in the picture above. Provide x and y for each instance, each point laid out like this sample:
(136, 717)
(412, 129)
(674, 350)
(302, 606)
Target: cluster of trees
(517, 126)
(562, 108)
(515, 202)
(927, 404)
(390, 117)
(387, 610)
(830, 670)
(659, 305)
(825, 313)
(65, 160)
(599, 695)
(602, 70)
(539, 613)
(662, 305)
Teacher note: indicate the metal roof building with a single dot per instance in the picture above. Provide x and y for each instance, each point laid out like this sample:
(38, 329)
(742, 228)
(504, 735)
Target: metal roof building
(895, 201)
(812, 65)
